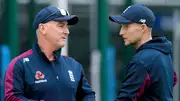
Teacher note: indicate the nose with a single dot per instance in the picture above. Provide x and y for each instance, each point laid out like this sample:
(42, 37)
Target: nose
(122, 31)
(66, 31)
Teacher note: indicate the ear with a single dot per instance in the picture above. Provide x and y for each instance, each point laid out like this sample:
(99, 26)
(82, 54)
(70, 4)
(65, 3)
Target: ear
(144, 27)
(43, 28)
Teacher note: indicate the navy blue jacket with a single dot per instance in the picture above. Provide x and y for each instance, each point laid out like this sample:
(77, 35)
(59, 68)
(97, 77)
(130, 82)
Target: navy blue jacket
(32, 77)
(150, 74)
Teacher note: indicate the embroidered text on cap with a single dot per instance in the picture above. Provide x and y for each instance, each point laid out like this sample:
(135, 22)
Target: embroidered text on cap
(63, 11)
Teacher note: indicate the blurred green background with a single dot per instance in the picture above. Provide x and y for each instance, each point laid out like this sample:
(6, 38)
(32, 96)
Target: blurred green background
(92, 32)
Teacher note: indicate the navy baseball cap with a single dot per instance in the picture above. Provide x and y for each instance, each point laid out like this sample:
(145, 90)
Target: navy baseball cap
(52, 13)
(135, 13)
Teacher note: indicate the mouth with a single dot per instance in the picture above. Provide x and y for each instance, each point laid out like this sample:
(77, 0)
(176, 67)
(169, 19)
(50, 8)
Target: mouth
(124, 38)
(64, 38)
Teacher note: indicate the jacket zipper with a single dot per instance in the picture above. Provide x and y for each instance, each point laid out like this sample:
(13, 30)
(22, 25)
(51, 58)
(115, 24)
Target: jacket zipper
(56, 76)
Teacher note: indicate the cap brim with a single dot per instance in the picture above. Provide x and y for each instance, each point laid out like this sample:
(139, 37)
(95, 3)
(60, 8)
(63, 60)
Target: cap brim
(72, 19)
(119, 19)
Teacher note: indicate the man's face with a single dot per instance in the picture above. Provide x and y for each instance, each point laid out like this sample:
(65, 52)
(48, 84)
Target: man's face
(56, 33)
(131, 33)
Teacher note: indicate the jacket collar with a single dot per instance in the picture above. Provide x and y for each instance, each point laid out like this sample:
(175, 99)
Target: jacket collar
(41, 54)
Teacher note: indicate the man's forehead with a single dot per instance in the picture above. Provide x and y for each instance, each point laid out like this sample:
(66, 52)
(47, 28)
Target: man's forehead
(125, 24)
(134, 24)
(56, 22)
(62, 22)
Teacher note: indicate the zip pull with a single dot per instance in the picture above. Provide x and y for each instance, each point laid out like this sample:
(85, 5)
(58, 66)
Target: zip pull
(57, 77)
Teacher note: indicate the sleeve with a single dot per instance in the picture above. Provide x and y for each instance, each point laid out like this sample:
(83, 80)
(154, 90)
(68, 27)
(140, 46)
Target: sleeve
(136, 81)
(84, 91)
(14, 83)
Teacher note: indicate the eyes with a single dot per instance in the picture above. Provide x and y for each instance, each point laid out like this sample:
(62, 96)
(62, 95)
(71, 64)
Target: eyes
(124, 26)
(62, 24)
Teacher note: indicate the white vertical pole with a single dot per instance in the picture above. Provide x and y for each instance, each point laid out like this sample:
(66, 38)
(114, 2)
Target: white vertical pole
(95, 72)
(176, 51)
(95, 58)
(64, 5)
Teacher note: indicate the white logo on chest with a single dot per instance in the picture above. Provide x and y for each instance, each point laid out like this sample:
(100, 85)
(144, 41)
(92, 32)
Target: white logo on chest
(25, 60)
(71, 76)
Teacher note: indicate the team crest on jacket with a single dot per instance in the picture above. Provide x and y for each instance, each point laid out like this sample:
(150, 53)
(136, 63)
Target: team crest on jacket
(71, 76)
(39, 76)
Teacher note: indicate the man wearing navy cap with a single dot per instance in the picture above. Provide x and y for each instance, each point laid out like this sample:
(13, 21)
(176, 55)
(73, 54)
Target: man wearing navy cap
(41, 73)
(150, 74)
